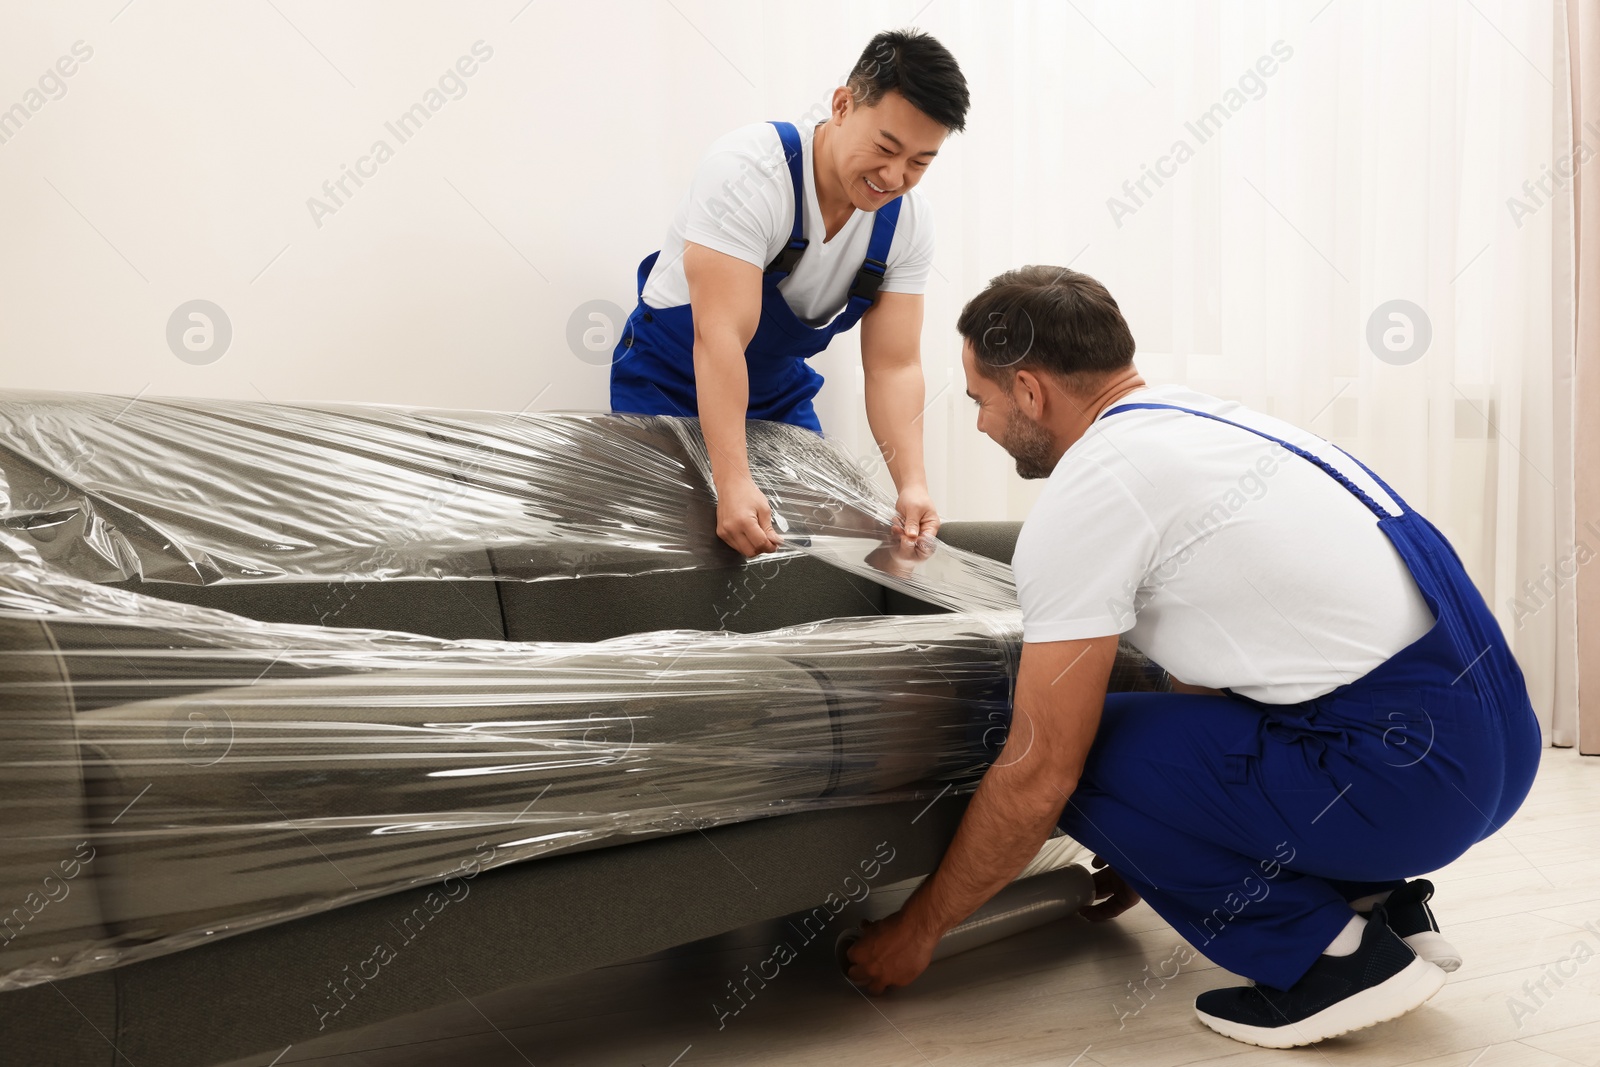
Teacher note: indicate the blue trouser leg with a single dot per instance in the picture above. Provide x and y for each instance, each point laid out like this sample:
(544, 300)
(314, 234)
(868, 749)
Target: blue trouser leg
(1244, 911)
(1231, 822)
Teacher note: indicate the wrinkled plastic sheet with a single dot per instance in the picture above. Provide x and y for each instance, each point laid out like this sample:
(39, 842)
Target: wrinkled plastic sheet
(210, 491)
(171, 774)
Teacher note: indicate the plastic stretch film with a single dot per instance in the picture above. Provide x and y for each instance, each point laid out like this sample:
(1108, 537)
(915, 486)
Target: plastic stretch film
(209, 491)
(826, 506)
(172, 773)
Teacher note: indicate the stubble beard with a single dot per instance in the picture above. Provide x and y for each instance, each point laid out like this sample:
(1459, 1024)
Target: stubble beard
(1029, 444)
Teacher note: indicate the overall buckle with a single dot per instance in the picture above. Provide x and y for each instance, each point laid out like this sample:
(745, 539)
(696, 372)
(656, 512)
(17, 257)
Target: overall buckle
(868, 278)
(786, 260)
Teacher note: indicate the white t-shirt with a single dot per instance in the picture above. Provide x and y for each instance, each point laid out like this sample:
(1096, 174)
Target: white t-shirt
(1223, 556)
(741, 203)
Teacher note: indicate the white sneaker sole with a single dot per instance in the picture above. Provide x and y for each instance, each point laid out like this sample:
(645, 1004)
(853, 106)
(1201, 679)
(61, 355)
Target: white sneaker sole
(1387, 1000)
(1431, 946)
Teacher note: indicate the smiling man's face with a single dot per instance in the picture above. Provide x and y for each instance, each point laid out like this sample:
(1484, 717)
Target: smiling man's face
(999, 418)
(881, 152)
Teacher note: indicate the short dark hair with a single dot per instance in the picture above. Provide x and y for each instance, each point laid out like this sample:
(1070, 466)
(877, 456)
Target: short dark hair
(920, 68)
(1048, 318)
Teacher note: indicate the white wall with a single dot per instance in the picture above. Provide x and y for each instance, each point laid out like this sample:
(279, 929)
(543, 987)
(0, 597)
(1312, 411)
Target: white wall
(179, 162)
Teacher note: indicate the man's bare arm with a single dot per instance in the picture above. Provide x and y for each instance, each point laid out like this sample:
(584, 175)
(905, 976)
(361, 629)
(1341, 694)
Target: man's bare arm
(725, 300)
(1061, 689)
(891, 361)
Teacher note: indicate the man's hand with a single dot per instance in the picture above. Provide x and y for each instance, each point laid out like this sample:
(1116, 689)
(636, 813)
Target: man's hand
(744, 518)
(915, 516)
(892, 952)
(899, 558)
(1108, 883)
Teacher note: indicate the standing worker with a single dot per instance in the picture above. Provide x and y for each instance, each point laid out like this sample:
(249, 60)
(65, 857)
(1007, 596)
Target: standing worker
(1351, 714)
(788, 236)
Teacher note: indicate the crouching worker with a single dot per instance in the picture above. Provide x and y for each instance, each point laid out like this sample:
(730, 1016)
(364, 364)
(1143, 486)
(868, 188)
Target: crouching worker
(1351, 715)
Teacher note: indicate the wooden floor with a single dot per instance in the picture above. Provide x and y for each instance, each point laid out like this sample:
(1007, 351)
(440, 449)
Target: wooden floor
(1516, 906)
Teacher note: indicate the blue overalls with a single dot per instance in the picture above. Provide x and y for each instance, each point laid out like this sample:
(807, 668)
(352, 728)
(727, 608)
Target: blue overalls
(652, 367)
(1249, 826)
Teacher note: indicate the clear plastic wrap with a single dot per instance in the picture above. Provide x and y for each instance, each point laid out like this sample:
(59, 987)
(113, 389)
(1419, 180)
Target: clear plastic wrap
(236, 773)
(172, 773)
(209, 491)
(826, 506)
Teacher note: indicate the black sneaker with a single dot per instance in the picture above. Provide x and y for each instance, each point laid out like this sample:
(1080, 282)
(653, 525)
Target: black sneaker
(1411, 918)
(1381, 980)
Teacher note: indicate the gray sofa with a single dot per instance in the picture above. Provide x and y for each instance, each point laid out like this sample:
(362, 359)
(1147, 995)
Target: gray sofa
(246, 807)
(264, 989)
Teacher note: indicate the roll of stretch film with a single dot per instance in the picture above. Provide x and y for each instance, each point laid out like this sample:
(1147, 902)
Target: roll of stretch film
(1025, 904)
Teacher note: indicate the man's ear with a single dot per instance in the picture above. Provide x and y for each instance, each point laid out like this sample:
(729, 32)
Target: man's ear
(842, 102)
(1029, 393)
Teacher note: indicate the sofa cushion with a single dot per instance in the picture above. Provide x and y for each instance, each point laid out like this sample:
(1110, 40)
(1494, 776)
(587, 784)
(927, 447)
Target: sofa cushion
(364, 783)
(912, 712)
(443, 608)
(762, 594)
(759, 594)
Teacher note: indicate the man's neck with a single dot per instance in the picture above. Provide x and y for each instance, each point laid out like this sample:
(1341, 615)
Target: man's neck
(1113, 391)
(1084, 410)
(832, 201)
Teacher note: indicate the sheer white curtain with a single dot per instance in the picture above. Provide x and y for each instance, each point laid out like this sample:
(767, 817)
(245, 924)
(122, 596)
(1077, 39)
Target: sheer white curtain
(1253, 181)
(1581, 624)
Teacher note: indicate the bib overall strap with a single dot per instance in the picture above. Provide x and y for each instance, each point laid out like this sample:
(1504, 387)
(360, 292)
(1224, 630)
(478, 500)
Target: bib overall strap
(645, 266)
(790, 255)
(865, 288)
(1328, 468)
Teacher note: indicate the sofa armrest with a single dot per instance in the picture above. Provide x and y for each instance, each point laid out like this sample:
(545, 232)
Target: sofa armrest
(997, 540)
